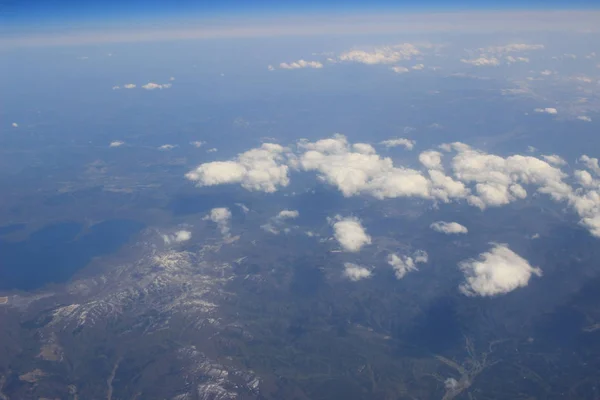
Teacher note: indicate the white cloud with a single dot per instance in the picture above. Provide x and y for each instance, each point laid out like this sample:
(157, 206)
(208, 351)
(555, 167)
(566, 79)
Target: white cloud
(129, 86)
(243, 207)
(363, 148)
(546, 72)
(221, 216)
(116, 143)
(356, 272)
(449, 228)
(153, 86)
(547, 110)
(301, 64)
(14, 125)
(177, 237)
(584, 118)
(271, 68)
(431, 159)
(350, 233)
(172, 78)
(482, 61)
(276, 224)
(402, 264)
(591, 163)
(400, 70)
(261, 169)
(287, 214)
(407, 143)
(498, 180)
(356, 173)
(381, 55)
(213, 150)
(512, 60)
(197, 143)
(554, 159)
(116, 87)
(167, 147)
(418, 67)
(496, 272)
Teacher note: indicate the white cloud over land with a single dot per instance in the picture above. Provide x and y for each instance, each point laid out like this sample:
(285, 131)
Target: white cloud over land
(356, 272)
(496, 272)
(350, 233)
(449, 228)
(262, 169)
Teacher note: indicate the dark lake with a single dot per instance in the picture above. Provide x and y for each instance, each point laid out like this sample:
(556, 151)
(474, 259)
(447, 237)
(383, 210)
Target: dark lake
(54, 253)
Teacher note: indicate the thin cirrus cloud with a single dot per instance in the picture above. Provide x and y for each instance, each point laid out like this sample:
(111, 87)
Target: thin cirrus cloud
(497, 271)
(449, 228)
(455, 172)
(349, 233)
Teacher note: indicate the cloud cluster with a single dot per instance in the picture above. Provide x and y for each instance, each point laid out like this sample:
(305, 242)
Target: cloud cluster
(381, 55)
(448, 228)
(403, 264)
(482, 180)
(262, 169)
(301, 64)
(356, 272)
(358, 170)
(177, 237)
(496, 272)
(349, 233)
(221, 216)
(406, 143)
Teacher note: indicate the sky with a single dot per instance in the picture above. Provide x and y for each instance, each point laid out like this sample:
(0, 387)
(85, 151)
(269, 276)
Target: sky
(32, 13)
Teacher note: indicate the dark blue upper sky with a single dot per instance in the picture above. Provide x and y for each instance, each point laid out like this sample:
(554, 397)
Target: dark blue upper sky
(57, 11)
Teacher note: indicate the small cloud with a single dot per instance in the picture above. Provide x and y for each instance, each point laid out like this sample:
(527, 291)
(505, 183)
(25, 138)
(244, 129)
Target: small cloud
(356, 272)
(402, 264)
(116, 87)
(14, 125)
(154, 86)
(177, 237)
(349, 233)
(271, 68)
(546, 72)
(449, 228)
(129, 86)
(554, 159)
(496, 272)
(167, 147)
(407, 143)
(584, 118)
(213, 150)
(288, 214)
(172, 78)
(116, 143)
(301, 64)
(482, 61)
(400, 70)
(547, 110)
(221, 216)
(418, 67)
(531, 149)
(197, 144)
(512, 60)
(243, 207)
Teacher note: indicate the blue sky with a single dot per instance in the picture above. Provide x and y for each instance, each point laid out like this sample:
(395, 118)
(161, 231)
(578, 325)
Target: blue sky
(76, 11)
